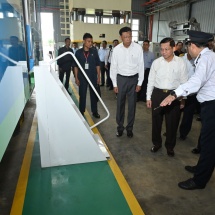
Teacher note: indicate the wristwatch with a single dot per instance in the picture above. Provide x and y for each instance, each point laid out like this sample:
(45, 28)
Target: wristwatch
(172, 93)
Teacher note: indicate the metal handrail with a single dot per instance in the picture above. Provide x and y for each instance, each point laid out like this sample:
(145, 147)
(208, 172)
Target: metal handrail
(11, 60)
(95, 91)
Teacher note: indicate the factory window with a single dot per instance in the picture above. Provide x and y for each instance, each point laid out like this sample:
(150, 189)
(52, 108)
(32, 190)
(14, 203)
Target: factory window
(1, 15)
(89, 19)
(106, 20)
(121, 21)
(135, 29)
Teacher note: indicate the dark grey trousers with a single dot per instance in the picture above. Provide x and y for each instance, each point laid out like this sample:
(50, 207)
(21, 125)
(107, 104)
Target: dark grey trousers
(126, 87)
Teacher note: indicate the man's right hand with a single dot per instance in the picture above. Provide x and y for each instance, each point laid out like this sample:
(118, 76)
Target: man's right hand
(77, 81)
(149, 103)
(115, 89)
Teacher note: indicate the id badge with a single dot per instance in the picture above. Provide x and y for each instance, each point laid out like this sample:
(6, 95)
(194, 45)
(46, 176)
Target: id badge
(86, 65)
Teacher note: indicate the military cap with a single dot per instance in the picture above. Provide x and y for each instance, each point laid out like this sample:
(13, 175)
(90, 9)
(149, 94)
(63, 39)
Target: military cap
(199, 37)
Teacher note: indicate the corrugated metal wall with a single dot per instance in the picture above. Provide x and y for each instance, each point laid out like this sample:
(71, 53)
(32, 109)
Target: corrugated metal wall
(179, 14)
(204, 12)
(161, 21)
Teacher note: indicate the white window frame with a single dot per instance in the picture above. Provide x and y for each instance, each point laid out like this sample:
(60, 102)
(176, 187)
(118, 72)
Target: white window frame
(135, 24)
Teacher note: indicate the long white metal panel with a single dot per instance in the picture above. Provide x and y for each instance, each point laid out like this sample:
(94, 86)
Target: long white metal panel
(64, 136)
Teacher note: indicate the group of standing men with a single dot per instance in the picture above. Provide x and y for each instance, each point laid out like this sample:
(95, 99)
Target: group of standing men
(167, 81)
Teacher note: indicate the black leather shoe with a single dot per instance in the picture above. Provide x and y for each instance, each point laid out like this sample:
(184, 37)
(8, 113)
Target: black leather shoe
(155, 148)
(129, 134)
(119, 133)
(195, 151)
(96, 115)
(189, 185)
(190, 168)
(182, 137)
(170, 152)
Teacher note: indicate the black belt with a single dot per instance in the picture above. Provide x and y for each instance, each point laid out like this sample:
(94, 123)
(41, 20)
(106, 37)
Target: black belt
(207, 103)
(163, 90)
(126, 76)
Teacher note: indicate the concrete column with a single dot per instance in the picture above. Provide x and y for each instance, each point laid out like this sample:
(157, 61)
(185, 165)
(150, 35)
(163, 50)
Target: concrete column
(116, 16)
(126, 17)
(74, 14)
(99, 14)
(81, 14)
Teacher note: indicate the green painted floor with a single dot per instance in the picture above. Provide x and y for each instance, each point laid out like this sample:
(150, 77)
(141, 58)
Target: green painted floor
(81, 189)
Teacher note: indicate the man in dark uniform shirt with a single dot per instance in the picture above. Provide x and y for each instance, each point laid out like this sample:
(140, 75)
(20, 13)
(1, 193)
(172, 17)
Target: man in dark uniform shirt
(65, 63)
(89, 60)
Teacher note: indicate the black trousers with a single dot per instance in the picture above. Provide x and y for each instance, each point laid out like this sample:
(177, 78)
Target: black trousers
(61, 76)
(187, 119)
(126, 87)
(206, 162)
(109, 81)
(141, 95)
(172, 117)
(103, 70)
(83, 96)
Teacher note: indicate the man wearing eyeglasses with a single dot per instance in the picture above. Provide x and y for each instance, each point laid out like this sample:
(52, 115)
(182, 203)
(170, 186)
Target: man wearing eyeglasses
(166, 74)
(202, 82)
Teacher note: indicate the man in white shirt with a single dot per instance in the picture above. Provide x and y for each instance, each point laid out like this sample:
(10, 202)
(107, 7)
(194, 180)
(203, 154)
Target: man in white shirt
(166, 74)
(202, 82)
(74, 47)
(148, 59)
(108, 63)
(102, 53)
(127, 74)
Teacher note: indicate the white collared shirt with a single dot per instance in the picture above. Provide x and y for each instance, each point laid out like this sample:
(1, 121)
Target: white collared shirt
(74, 50)
(108, 56)
(166, 75)
(190, 65)
(148, 59)
(127, 62)
(203, 80)
(102, 52)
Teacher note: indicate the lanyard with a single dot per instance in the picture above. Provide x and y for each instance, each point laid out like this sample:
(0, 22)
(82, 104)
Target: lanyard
(86, 56)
